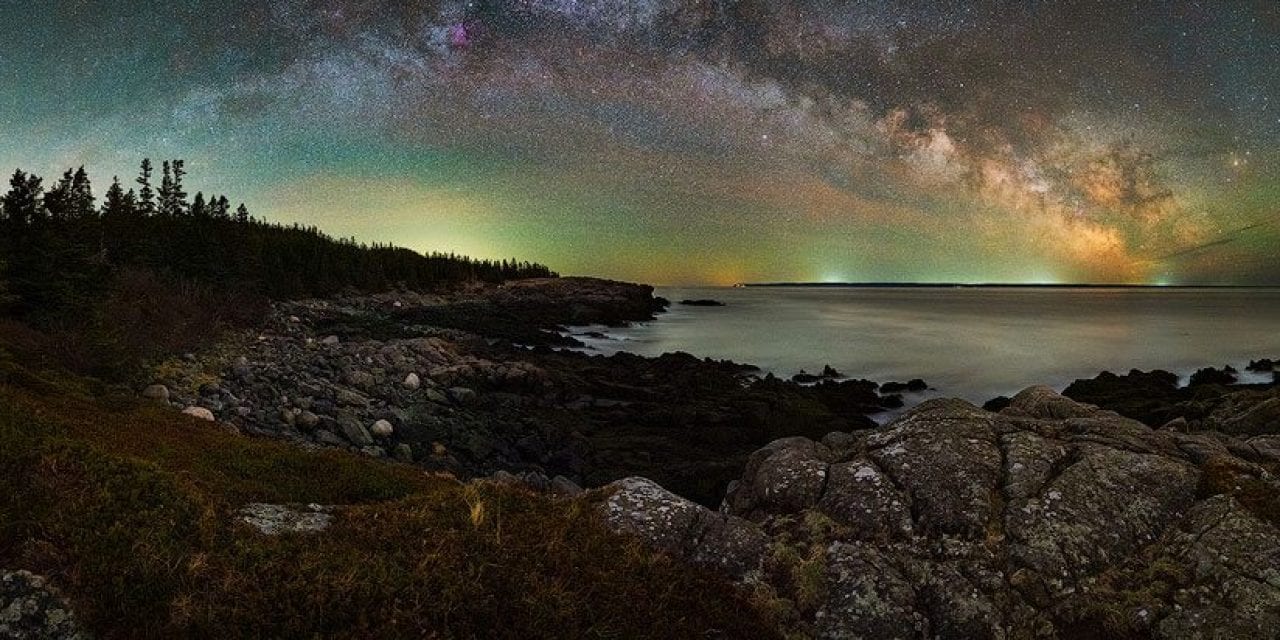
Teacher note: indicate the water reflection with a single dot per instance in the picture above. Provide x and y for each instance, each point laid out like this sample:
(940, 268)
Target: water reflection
(968, 342)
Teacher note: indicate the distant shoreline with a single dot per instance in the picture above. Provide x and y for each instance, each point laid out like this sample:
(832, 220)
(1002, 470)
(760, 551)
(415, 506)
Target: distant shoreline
(958, 285)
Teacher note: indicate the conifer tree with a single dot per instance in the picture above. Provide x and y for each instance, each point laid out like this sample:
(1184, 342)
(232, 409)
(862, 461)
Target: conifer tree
(116, 204)
(22, 202)
(242, 214)
(180, 206)
(198, 208)
(221, 208)
(81, 195)
(146, 197)
(166, 189)
(59, 200)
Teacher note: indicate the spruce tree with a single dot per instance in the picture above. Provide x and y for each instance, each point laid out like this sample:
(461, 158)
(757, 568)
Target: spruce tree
(166, 190)
(221, 208)
(179, 196)
(22, 203)
(116, 205)
(198, 208)
(59, 200)
(81, 195)
(146, 197)
(242, 214)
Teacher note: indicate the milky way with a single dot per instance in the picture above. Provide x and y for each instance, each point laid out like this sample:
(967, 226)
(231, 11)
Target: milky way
(695, 141)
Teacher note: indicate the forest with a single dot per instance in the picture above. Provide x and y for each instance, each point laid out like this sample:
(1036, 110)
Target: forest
(185, 265)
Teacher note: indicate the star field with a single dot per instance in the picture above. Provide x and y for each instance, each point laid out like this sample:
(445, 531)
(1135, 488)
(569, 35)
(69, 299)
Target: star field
(677, 141)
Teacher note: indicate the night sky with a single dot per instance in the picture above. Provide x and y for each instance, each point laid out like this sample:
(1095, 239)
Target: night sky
(687, 141)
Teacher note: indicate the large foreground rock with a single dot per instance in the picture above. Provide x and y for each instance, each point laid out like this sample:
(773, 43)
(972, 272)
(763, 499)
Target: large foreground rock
(1049, 519)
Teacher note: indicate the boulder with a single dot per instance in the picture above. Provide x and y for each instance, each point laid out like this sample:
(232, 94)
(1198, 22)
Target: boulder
(640, 507)
(350, 398)
(382, 429)
(786, 475)
(32, 609)
(565, 487)
(943, 454)
(326, 437)
(411, 382)
(462, 395)
(307, 420)
(199, 412)
(156, 392)
(361, 379)
(275, 519)
(353, 430)
(1261, 418)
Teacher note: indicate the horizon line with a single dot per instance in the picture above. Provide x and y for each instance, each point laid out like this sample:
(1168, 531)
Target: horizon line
(1002, 285)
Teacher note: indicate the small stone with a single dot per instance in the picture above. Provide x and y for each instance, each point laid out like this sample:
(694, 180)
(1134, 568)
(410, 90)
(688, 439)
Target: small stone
(353, 430)
(199, 412)
(563, 486)
(412, 382)
(330, 340)
(351, 398)
(462, 395)
(307, 420)
(156, 392)
(404, 452)
(324, 436)
(382, 429)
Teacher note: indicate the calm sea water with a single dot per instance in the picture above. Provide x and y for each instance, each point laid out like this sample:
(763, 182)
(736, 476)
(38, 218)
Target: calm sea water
(972, 343)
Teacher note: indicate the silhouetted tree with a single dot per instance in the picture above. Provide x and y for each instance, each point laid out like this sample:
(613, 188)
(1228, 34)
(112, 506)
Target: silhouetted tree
(59, 201)
(117, 205)
(22, 202)
(146, 197)
(220, 208)
(166, 189)
(198, 208)
(242, 214)
(81, 195)
(179, 196)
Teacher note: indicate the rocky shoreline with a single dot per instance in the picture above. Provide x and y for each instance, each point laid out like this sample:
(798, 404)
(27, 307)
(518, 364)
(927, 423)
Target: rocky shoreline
(468, 382)
(1048, 519)
(1126, 507)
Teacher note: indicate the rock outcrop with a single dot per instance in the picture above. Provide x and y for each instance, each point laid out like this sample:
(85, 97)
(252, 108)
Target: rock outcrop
(447, 381)
(1051, 518)
(31, 609)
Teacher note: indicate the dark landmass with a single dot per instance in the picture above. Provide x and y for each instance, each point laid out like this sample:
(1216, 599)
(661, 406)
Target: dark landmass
(993, 285)
(702, 303)
(828, 373)
(1213, 401)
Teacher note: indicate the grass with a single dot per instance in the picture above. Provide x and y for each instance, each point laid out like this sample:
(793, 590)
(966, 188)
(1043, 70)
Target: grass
(129, 508)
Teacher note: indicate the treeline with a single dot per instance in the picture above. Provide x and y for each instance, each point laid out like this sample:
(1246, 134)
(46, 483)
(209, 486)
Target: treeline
(60, 248)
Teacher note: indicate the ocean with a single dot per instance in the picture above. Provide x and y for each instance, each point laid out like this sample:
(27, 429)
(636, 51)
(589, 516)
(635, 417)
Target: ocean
(971, 342)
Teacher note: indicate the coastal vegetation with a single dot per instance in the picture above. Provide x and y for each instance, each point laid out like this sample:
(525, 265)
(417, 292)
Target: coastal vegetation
(150, 270)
